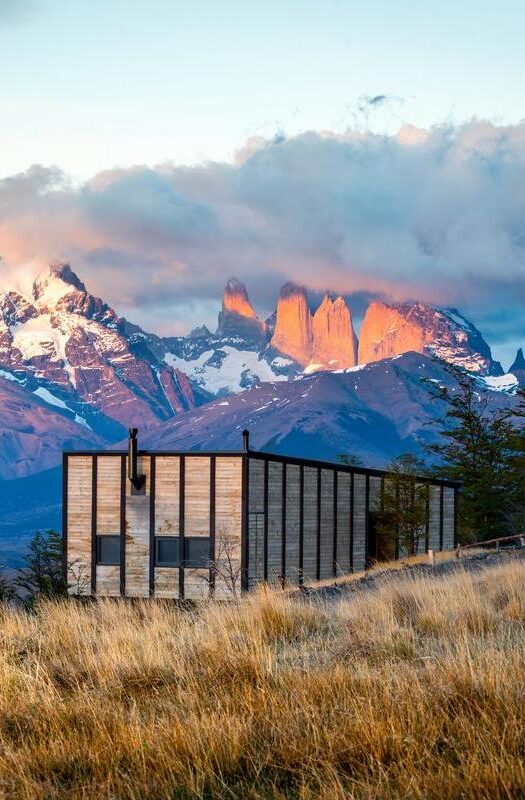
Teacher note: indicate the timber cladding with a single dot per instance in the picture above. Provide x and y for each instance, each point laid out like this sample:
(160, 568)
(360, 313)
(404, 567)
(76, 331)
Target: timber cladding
(212, 524)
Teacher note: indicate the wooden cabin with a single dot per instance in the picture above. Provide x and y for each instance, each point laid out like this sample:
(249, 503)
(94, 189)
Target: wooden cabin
(188, 525)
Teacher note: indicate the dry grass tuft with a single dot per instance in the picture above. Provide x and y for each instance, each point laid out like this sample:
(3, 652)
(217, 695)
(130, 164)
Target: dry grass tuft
(414, 690)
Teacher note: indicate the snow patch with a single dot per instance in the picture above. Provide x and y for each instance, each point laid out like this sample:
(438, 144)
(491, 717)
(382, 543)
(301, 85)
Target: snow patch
(235, 367)
(501, 383)
(49, 398)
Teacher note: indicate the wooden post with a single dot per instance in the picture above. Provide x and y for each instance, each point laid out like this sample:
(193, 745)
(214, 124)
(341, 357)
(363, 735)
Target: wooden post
(431, 559)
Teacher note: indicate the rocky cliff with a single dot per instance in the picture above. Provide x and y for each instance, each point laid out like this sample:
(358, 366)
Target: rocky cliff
(518, 367)
(238, 318)
(334, 343)
(390, 330)
(293, 324)
(57, 337)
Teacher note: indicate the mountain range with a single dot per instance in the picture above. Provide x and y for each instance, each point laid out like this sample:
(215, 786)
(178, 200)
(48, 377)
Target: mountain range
(74, 374)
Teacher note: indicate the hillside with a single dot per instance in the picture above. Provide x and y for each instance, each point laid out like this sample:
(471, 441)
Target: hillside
(412, 690)
(375, 412)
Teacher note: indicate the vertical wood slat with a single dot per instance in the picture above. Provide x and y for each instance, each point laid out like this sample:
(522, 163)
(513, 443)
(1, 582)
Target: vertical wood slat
(265, 533)
(197, 520)
(65, 576)
(352, 477)
(108, 495)
(182, 506)
(318, 532)
(245, 553)
(441, 518)
(78, 515)
(107, 512)
(152, 487)
(275, 520)
(334, 532)
(310, 523)
(283, 526)
(94, 526)
(292, 522)
(229, 514)
(327, 524)
(213, 471)
(138, 533)
(343, 523)
(301, 524)
(123, 479)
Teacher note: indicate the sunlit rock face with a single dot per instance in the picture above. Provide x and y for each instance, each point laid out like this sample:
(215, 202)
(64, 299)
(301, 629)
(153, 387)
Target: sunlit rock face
(390, 330)
(293, 324)
(387, 331)
(238, 317)
(334, 343)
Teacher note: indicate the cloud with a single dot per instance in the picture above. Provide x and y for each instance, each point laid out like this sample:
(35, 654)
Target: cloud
(437, 215)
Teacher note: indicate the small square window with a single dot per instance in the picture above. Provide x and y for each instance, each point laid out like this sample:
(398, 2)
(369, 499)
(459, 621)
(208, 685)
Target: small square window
(108, 550)
(167, 551)
(197, 552)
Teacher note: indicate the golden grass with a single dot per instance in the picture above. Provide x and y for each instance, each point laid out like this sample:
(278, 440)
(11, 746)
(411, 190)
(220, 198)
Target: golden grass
(414, 690)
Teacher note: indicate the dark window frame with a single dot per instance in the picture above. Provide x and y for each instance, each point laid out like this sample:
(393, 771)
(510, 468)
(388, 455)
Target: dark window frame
(200, 561)
(163, 540)
(103, 561)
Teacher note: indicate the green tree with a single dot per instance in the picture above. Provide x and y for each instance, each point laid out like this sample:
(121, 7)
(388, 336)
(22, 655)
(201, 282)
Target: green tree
(477, 446)
(42, 576)
(401, 521)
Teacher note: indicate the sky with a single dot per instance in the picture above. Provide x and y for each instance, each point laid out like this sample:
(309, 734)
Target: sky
(371, 148)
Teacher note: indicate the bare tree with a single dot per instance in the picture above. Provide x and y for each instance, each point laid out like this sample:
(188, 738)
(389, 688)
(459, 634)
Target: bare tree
(226, 566)
(80, 578)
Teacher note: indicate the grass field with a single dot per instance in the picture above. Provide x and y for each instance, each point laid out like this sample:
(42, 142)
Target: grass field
(413, 690)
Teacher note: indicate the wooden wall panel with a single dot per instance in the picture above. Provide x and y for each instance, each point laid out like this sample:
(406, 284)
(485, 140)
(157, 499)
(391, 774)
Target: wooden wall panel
(343, 523)
(275, 520)
(108, 579)
(359, 522)
(108, 494)
(79, 493)
(434, 509)
(228, 524)
(166, 582)
(310, 520)
(137, 536)
(197, 496)
(448, 518)
(256, 485)
(167, 487)
(256, 521)
(292, 523)
(327, 523)
(196, 584)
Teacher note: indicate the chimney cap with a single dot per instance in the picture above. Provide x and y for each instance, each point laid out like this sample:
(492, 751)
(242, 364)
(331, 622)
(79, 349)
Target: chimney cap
(133, 433)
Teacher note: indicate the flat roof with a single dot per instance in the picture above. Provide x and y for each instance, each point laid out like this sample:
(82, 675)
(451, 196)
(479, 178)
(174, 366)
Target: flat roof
(307, 462)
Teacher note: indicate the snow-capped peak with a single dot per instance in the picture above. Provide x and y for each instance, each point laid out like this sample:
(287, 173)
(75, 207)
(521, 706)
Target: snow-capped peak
(55, 283)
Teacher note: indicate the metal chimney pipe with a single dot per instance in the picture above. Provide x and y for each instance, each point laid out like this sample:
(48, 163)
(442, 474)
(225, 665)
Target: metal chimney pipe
(133, 458)
(246, 440)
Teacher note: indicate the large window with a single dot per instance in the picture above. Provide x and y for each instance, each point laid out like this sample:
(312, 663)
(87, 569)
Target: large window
(167, 551)
(196, 552)
(108, 550)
